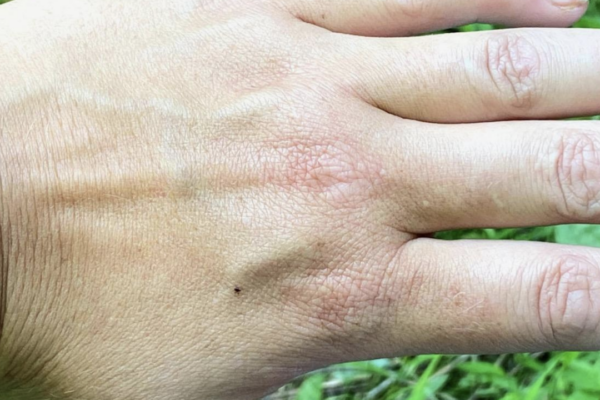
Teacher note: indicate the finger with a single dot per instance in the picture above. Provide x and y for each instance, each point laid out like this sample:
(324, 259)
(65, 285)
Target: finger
(486, 297)
(505, 174)
(513, 74)
(407, 17)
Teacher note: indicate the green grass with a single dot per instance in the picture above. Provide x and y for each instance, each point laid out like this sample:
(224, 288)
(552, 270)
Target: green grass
(541, 376)
(508, 377)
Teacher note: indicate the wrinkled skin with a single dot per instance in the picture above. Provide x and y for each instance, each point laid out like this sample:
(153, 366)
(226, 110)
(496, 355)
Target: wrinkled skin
(204, 199)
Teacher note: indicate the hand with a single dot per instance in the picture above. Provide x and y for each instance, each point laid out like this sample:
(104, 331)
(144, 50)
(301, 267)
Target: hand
(203, 199)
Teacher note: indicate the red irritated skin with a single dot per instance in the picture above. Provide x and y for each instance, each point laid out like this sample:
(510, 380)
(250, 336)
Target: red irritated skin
(194, 191)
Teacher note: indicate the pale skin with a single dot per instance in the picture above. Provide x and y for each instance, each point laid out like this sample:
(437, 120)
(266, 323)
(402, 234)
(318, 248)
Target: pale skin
(201, 199)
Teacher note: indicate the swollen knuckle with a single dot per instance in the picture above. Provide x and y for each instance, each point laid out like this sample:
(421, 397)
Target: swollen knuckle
(574, 169)
(569, 301)
(513, 66)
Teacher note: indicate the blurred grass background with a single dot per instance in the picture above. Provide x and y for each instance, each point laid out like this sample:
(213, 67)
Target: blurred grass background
(540, 376)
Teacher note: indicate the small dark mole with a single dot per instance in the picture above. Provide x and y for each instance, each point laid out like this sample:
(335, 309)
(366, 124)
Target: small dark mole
(323, 16)
(237, 290)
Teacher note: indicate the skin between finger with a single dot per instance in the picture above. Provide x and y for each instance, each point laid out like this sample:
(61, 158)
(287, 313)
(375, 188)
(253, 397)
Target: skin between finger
(481, 76)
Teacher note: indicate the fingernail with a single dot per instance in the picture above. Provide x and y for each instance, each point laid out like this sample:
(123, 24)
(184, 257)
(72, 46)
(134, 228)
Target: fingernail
(570, 4)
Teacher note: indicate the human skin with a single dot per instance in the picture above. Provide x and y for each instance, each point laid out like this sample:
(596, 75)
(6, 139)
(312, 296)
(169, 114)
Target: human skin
(201, 199)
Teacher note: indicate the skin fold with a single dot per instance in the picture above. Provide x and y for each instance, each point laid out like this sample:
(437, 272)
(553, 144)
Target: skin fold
(202, 199)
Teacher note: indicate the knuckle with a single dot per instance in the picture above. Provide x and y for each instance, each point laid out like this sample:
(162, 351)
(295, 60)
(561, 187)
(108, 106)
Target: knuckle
(569, 301)
(309, 148)
(353, 301)
(335, 169)
(410, 8)
(574, 161)
(302, 146)
(344, 297)
(513, 65)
